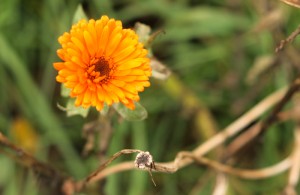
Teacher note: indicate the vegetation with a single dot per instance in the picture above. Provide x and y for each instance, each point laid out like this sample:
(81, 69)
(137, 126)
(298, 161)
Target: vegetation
(222, 60)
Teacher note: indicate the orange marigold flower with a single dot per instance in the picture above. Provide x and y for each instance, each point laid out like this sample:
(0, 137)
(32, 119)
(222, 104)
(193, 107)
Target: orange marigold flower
(102, 63)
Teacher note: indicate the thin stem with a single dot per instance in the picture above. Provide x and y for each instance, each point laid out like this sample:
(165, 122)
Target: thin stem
(92, 176)
(290, 38)
(294, 172)
(43, 170)
(273, 116)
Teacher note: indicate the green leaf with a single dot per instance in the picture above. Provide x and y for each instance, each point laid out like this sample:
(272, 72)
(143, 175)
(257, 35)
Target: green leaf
(139, 113)
(143, 32)
(64, 92)
(79, 14)
(72, 110)
(105, 110)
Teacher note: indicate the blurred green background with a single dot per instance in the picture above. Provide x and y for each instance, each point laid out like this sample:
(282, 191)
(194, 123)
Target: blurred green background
(221, 54)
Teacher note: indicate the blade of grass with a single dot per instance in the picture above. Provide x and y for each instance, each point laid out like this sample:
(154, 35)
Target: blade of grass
(138, 179)
(116, 144)
(40, 108)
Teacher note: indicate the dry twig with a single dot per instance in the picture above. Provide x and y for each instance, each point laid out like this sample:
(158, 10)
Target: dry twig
(183, 159)
(295, 167)
(44, 171)
(221, 185)
(295, 86)
(290, 38)
(204, 148)
(163, 168)
(93, 176)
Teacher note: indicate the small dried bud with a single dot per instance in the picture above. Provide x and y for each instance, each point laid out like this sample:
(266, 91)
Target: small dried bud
(143, 160)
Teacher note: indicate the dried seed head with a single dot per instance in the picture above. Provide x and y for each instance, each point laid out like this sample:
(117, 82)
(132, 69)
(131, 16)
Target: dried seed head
(143, 160)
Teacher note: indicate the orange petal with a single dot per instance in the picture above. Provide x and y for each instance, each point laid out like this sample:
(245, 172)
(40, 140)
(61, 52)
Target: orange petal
(113, 44)
(58, 65)
(118, 83)
(79, 44)
(131, 64)
(117, 91)
(72, 78)
(90, 43)
(78, 101)
(79, 88)
(103, 40)
(120, 55)
(87, 97)
(130, 105)
(122, 72)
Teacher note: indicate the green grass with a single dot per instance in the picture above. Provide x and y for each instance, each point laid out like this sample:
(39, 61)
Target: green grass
(209, 46)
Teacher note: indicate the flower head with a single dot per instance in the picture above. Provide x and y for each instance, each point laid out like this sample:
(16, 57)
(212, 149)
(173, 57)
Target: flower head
(102, 63)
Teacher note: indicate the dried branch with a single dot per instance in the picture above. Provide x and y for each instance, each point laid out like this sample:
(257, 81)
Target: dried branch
(243, 173)
(279, 98)
(295, 3)
(295, 86)
(93, 176)
(44, 172)
(221, 185)
(186, 158)
(295, 168)
(260, 127)
(290, 38)
(239, 124)
(163, 168)
(215, 141)
(245, 137)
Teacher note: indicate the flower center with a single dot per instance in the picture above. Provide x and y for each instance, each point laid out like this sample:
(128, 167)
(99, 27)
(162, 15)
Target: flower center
(99, 70)
(102, 66)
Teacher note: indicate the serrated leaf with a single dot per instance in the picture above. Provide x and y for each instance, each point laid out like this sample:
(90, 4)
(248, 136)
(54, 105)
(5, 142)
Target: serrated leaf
(64, 92)
(79, 14)
(139, 113)
(143, 31)
(159, 70)
(72, 110)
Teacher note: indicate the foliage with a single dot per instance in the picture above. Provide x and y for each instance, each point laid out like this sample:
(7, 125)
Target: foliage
(221, 54)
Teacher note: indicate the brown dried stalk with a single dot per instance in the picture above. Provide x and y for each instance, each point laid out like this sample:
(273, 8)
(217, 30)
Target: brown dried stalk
(280, 98)
(163, 168)
(290, 38)
(246, 137)
(221, 185)
(183, 158)
(204, 148)
(93, 175)
(239, 124)
(295, 168)
(295, 86)
(243, 173)
(260, 127)
(44, 172)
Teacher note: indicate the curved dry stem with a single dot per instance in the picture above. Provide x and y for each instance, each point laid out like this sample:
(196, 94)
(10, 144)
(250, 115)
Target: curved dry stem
(221, 185)
(243, 173)
(294, 172)
(124, 166)
(171, 167)
(292, 36)
(236, 126)
(44, 171)
(93, 175)
(245, 137)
